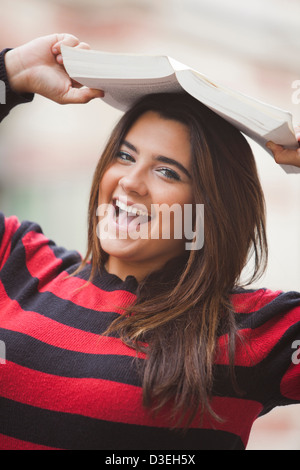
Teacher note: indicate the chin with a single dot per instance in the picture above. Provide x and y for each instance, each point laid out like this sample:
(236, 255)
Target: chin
(127, 249)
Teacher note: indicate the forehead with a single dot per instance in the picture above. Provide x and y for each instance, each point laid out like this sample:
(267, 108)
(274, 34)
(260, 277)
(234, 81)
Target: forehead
(155, 133)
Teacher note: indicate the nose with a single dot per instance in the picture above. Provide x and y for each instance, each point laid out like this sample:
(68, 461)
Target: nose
(134, 182)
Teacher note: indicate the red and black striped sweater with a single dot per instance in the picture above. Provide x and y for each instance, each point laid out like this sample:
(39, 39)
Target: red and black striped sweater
(64, 385)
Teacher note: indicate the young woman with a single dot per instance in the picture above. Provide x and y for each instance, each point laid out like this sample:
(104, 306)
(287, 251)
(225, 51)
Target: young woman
(143, 344)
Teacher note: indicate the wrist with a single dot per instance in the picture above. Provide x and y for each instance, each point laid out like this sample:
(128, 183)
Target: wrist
(15, 72)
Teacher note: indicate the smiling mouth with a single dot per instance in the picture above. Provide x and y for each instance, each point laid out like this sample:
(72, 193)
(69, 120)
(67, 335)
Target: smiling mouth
(125, 214)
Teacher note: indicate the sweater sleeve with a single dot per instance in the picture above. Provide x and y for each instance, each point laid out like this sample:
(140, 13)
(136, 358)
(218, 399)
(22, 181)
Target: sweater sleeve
(23, 246)
(8, 227)
(286, 352)
(271, 337)
(8, 98)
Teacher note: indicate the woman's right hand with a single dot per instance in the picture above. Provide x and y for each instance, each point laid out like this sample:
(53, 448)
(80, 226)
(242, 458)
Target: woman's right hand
(285, 156)
(37, 67)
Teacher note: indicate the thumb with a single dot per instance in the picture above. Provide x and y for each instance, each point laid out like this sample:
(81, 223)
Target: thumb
(81, 95)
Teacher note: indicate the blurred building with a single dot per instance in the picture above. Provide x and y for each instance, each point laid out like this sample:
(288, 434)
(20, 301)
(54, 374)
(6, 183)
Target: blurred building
(48, 152)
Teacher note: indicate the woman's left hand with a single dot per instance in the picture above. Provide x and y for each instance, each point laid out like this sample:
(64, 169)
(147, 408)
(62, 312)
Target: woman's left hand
(286, 156)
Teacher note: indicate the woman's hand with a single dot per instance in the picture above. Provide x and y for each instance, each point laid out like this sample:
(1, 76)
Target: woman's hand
(37, 67)
(286, 156)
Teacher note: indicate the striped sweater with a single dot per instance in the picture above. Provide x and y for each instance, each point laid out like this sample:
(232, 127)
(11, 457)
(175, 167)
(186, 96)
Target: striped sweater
(64, 385)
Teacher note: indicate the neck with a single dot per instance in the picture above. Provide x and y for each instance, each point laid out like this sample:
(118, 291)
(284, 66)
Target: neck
(139, 270)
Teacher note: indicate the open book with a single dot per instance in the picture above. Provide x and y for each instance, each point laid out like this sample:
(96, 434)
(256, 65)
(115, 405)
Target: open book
(126, 77)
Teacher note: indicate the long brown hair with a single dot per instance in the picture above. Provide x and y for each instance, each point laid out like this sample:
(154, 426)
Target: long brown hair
(180, 312)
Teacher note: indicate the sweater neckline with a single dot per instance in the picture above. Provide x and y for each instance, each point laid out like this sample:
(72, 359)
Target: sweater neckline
(130, 283)
(107, 281)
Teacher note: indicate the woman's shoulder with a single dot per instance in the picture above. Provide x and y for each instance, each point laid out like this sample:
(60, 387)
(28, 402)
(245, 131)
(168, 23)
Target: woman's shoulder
(25, 242)
(264, 311)
(249, 300)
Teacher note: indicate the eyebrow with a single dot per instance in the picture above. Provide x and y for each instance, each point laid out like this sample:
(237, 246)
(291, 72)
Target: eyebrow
(161, 158)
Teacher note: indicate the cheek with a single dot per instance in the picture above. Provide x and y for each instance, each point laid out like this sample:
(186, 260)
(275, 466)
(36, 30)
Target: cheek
(170, 216)
(107, 185)
(179, 196)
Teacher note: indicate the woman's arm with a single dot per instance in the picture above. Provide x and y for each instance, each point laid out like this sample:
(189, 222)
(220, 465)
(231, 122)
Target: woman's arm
(37, 67)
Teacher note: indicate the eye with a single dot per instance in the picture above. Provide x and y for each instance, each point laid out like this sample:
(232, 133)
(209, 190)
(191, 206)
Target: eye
(125, 156)
(170, 174)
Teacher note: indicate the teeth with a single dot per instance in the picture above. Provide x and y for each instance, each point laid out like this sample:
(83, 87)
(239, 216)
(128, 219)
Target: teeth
(130, 209)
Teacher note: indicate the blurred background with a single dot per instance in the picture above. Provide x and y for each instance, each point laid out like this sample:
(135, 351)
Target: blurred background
(49, 152)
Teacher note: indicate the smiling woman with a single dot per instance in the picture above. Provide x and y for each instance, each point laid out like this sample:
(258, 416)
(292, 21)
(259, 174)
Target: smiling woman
(143, 344)
(177, 129)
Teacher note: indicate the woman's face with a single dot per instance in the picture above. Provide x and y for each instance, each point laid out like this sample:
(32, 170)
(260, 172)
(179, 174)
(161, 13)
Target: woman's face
(152, 167)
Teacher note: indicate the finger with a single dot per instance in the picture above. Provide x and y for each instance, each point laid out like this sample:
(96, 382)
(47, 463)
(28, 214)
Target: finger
(284, 156)
(297, 132)
(59, 59)
(81, 95)
(56, 49)
(67, 39)
(275, 148)
(85, 45)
